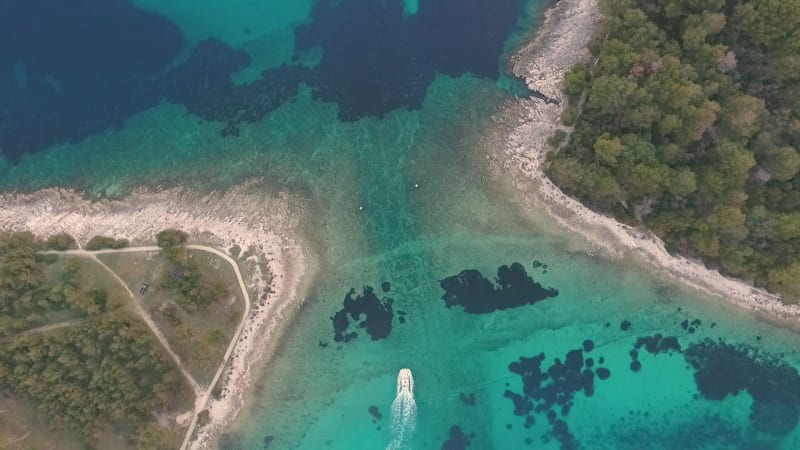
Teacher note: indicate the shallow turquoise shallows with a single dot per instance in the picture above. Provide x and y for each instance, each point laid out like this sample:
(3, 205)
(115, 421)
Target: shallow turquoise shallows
(405, 198)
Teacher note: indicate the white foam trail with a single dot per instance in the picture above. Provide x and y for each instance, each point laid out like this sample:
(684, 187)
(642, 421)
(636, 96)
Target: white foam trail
(404, 411)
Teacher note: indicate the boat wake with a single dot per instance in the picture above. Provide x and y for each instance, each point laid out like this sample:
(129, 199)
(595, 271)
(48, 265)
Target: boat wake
(404, 411)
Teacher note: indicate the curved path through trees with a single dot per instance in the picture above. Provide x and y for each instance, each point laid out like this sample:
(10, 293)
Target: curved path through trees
(202, 395)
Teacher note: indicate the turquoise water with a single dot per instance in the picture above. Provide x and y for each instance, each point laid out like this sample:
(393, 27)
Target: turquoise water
(403, 196)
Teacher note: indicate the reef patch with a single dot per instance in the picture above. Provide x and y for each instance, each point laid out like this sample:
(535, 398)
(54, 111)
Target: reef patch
(377, 314)
(512, 288)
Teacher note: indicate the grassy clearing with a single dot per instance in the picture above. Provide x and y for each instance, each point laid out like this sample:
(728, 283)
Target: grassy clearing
(200, 336)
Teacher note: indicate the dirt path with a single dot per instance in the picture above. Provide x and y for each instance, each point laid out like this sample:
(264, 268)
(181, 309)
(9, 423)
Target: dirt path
(203, 400)
(150, 323)
(202, 394)
(45, 328)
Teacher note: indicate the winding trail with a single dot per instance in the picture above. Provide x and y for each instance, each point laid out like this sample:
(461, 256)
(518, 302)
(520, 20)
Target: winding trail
(203, 400)
(202, 394)
(44, 328)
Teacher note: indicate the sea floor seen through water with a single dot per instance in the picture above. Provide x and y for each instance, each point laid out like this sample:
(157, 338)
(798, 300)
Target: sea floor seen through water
(585, 352)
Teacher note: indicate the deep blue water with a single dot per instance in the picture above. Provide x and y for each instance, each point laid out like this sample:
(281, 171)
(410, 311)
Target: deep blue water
(73, 69)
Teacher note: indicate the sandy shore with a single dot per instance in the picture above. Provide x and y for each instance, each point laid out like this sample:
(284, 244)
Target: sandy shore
(240, 216)
(520, 146)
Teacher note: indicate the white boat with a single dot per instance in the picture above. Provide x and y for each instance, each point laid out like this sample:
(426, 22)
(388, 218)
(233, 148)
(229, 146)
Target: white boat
(405, 382)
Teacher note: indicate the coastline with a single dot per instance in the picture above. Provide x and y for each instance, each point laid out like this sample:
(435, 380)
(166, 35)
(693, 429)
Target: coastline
(519, 152)
(274, 268)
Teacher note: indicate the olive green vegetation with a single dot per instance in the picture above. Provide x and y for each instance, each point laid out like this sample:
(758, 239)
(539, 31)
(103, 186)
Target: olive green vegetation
(171, 238)
(94, 375)
(28, 297)
(61, 242)
(687, 120)
(199, 335)
(184, 275)
(101, 242)
(105, 372)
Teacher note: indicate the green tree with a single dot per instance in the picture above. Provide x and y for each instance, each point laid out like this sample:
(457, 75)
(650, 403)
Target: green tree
(60, 241)
(102, 242)
(786, 279)
(782, 162)
(171, 238)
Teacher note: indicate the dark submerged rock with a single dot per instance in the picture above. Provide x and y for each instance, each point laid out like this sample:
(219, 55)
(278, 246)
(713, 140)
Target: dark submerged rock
(658, 344)
(457, 440)
(625, 325)
(477, 295)
(375, 413)
(378, 315)
(562, 434)
(551, 391)
(724, 369)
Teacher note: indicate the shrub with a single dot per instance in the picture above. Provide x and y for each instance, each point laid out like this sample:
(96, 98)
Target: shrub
(60, 241)
(101, 242)
(171, 238)
(557, 138)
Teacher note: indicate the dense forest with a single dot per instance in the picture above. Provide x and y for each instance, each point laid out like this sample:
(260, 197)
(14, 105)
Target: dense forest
(98, 374)
(687, 119)
(105, 372)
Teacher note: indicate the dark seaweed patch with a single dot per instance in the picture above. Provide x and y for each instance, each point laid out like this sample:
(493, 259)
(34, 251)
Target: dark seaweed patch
(654, 345)
(658, 344)
(203, 85)
(457, 439)
(551, 391)
(675, 432)
(377, 60)
(375, 413)
(724, 369)
(692, 326)
(512, 288)
(467, 399)
(378, 315)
